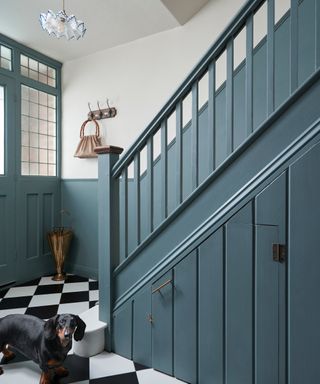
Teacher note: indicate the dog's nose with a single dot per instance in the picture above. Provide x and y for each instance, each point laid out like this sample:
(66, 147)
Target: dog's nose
(67, 335)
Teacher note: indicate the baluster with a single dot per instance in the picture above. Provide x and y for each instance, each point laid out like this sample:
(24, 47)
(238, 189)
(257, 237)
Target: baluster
(294, 45)
(249, 75)
(229, 97)
(124, 205)
(195, 136)
(179, 153)
(211, 117)
(150, 183)
(270, 57)
(164, 171)
(137, 193)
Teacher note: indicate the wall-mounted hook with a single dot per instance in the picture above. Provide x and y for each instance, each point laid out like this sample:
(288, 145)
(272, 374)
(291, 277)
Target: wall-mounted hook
(104, 113)
(100, 111)
(90, 114)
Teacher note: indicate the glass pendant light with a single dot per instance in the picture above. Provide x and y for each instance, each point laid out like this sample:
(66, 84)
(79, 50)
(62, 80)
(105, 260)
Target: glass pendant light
(61, 24)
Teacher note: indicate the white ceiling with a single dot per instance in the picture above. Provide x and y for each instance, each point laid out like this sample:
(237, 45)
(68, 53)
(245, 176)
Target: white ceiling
(109, 22)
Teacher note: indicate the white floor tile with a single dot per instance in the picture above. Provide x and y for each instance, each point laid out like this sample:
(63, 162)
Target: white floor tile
(93, 295)
(21, 291)
(26, 372)
(75, 287)
(48, 281)
(109, 364)
(74, 308)
(5, 312)
(42, 300)
(148, 376)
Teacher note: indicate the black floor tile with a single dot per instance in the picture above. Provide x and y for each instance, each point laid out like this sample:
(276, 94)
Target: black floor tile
(93, 285)
(92, 303)
(47, 289)
(15, 302)
(43, 312)
(75, 279)
(78, 368)
(74, 297)
(3, 292)
(139, 367)
(126, 378)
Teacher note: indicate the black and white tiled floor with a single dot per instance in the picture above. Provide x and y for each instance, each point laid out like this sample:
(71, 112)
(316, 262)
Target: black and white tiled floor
(44, 298)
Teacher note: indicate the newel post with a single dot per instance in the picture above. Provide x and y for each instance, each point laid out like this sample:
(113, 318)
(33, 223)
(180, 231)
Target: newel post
(108, 232)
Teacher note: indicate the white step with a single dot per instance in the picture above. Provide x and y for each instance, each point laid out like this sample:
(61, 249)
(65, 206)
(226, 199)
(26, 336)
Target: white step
(94, 337)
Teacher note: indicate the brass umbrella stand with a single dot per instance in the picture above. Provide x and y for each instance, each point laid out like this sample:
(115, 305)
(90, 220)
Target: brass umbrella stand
(59, 240)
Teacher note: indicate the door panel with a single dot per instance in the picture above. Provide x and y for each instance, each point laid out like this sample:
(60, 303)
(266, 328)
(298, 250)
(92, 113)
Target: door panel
(142, 328)
(303, 269)
(122, 330)
(162, 329)
(266, 307)
(239, 298)
(211, 317)
(185, 319)
(271, 211)
(38, 202)
(7, 201)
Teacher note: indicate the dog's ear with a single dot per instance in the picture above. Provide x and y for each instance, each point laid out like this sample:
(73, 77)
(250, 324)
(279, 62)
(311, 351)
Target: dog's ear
(50, 327)
(81, 326)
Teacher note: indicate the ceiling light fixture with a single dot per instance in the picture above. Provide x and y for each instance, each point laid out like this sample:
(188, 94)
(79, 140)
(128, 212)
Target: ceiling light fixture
(61, 24)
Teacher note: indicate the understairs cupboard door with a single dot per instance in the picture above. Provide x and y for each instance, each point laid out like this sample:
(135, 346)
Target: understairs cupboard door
(162, 329)
(142, 322)
(174, 321)
(7, 186)
(304, 270)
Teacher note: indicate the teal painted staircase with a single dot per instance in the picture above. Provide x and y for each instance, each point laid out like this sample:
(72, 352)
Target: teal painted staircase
(190, 279)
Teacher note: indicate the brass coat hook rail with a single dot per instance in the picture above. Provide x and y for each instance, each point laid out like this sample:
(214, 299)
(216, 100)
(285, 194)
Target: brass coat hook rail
(101, 113)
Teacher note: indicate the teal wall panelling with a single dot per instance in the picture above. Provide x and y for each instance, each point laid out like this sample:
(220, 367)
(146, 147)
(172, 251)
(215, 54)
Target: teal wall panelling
(79, 199)
(227, 308)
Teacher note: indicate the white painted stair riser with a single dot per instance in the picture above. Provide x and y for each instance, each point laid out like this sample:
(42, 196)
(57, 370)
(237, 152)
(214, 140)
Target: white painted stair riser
(94, 337)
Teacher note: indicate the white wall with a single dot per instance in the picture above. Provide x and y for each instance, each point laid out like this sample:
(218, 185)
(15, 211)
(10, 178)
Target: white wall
(138, 78)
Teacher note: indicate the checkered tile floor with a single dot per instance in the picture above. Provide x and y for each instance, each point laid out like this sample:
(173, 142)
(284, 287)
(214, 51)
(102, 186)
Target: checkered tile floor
(45, 298)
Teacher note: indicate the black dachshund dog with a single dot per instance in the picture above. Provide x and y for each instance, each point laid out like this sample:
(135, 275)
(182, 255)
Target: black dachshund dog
(47, 343)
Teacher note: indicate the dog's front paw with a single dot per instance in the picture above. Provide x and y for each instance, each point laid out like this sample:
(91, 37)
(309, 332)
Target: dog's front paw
(1, 371)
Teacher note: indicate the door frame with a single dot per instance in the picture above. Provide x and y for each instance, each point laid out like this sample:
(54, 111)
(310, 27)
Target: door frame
(8, 253)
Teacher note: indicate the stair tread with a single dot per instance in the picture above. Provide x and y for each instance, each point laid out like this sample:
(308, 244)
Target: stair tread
(91, 318)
